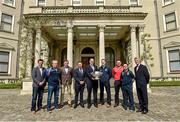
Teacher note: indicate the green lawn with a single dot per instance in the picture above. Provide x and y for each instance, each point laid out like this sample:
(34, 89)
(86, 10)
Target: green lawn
(164, 83)
(17, 85)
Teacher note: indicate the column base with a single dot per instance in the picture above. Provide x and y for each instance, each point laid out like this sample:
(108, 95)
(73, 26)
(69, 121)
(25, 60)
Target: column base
(26, 86)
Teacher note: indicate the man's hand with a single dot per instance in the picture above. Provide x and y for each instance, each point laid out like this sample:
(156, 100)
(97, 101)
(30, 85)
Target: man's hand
(41, 83)
(81, 82)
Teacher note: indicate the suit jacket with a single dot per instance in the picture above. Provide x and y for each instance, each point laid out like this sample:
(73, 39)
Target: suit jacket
(89, 70)
(107, 74)
(37, 77)
(66, 78)
(78, 76)
(141, 75)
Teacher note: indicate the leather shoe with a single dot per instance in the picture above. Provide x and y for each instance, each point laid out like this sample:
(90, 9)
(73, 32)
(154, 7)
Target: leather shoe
(89, 106)
(75, 106)
(82, 105)
(139, 110)
(96, 105)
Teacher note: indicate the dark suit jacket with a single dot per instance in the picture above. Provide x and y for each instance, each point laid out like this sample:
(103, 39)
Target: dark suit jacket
(89, 70)
(78, 76)
(37, 77)
(141, 75)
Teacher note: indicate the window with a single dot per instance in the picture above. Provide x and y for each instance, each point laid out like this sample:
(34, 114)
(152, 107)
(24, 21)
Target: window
(6, 22)
(76, 2)
(170, 21)
(4, 62)
(174, 60)
(41, 2)
(134, 2)
(9, 2)
(99, 2)
(166, 2)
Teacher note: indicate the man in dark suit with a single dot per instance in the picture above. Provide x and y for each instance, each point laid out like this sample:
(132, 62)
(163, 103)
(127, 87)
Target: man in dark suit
(79, 76)
(38, 76)
(92, 84)
(142, 79)
(104, 82)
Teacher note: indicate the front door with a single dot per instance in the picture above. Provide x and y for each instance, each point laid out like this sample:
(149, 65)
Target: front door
(85, 61)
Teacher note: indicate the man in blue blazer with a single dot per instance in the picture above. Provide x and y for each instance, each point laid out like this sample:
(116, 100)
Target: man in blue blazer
(92, 84)
(104, 82)
(79, 76)
(142, 79)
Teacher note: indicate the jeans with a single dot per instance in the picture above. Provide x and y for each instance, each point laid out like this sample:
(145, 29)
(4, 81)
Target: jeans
(51, 90)
(37, 93)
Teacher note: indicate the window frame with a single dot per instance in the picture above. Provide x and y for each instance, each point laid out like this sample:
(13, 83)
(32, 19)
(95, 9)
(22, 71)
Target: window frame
(8, 63)
(130, 3)
(165, 4)
(37, 3)
(14, 3)
(165, 23)
(95, 3)
(169, 62)
(76, 5)
(12, 23)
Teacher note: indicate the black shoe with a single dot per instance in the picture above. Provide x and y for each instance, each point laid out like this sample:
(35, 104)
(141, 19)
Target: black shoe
(89, 106)
(82, 105)
(75, 106)
(125, 108)
(116, 105)
(144, 112)
(139, 110)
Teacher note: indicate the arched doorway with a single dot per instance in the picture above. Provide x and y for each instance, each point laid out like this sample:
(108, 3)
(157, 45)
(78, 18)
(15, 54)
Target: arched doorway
(86, 54)
(63, 56)
(110, 57)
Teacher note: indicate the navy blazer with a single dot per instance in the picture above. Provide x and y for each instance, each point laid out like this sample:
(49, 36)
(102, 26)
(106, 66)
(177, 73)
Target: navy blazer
(78, 76)
(107, 74)
(141, 75)
(89, 70)
(37, 77)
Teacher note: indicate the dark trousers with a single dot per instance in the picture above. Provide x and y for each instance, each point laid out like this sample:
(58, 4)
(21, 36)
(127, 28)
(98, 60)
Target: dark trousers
(117, 86)
(142, 97)
(92, 85)
(79, 89)
(105, 84)
(127, 92)
(51, 90)
(37, 93)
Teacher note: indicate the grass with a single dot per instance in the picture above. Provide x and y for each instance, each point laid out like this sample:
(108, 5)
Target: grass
(17, 85)
(164, 83)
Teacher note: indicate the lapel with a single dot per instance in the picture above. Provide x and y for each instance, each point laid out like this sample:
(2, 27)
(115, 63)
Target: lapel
(38, 71)
(139, 68)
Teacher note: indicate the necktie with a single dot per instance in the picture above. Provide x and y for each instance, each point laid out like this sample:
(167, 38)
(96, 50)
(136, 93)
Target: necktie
(137, 67)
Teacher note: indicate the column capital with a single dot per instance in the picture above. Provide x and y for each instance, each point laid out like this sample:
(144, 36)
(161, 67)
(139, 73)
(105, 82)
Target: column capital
(133, 28)
(101, 27)
(141, 28)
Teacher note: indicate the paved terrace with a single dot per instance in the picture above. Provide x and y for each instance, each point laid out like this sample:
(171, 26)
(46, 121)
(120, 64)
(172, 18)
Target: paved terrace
(164, 104)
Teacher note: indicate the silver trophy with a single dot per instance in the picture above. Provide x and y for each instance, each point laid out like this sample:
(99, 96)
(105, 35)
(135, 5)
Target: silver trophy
(96, 75)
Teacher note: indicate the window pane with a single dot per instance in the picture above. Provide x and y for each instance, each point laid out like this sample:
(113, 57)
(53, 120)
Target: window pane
(41, 2)
(6, 18)
(175, 66)
(171, 26)
(3, 68)
(6, 27)
(167, 1)
(4, 56)
(174, 55)
(170, 17)
(99, 2)
(9, 2)
(134, 2)
(76, 2)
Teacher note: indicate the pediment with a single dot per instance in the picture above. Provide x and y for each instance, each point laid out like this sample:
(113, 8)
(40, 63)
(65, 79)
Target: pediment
(6, 46)
(172, 44)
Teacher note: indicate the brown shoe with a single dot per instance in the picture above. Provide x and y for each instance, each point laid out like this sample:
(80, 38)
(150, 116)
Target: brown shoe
(108, 105)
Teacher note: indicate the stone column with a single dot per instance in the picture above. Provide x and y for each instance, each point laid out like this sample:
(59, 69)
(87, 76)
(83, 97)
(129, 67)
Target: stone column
(133, 50)
(133, 44)
(141, 46)
(37, 46)
(70, 45)
(27, 81)
(101, 43)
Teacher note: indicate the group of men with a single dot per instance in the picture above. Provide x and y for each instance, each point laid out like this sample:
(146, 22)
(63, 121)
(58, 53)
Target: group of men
(59, 79)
